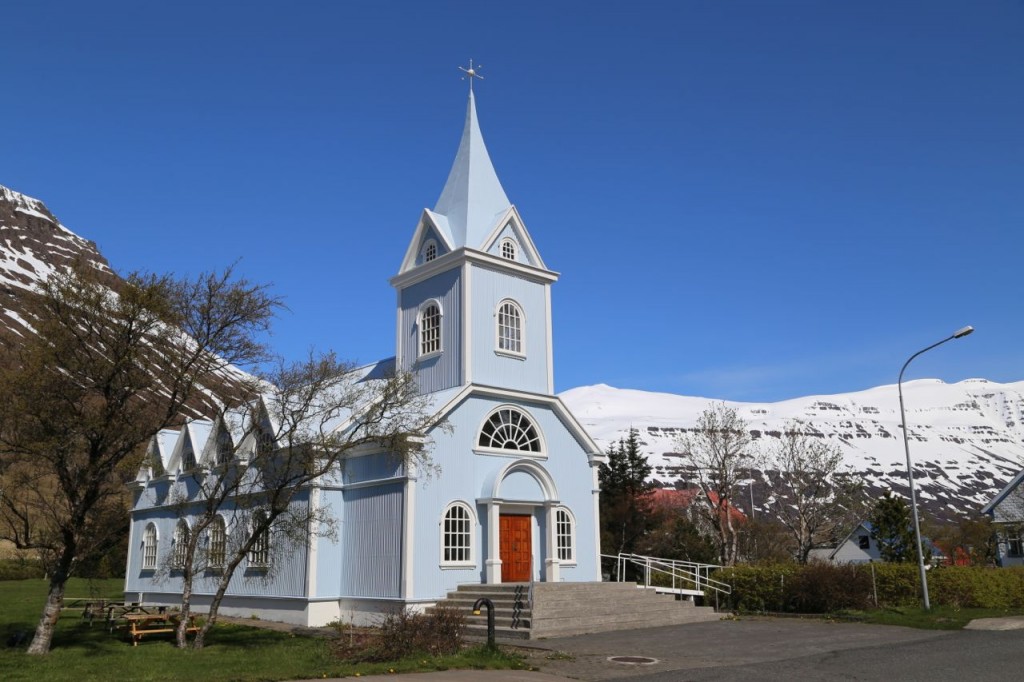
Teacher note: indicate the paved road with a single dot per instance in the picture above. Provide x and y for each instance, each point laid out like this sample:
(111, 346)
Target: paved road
(768, 650)
(787, 649)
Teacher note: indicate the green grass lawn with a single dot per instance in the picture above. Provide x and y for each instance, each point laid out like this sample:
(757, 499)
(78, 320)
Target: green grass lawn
(939, 618)
(232, 652)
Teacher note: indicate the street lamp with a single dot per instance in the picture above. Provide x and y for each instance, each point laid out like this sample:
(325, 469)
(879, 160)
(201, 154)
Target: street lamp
(959, 333)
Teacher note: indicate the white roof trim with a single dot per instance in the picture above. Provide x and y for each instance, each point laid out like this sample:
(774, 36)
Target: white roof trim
(519, 227)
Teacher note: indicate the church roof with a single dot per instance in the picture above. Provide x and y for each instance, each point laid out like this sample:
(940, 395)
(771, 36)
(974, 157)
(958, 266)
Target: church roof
(473, 198)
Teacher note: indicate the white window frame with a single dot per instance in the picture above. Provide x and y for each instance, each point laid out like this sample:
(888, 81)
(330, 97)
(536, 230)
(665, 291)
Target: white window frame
(259, 553)
(465, 553)
(565, 536)
(425, 254)
(500, 339)
(540, 453)
(508, 249)
(1014, 542)
(180, 543)
(224, 448)
(217, 552)
(150, 546)
(428, 348)
(188, 457)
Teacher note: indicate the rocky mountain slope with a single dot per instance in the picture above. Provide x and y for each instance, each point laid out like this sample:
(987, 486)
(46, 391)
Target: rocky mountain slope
(966, 439)
(34, 244)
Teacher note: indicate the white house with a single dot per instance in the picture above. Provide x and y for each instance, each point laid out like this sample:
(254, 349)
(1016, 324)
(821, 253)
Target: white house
(517, 494)
(1007, 512)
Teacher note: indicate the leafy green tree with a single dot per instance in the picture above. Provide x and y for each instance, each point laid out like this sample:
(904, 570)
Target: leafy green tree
(892, 529)
(625, 505)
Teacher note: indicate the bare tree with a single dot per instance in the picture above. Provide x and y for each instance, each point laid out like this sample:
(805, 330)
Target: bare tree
(811, 493)
(106, 369)
(309, 418)
(717, 450)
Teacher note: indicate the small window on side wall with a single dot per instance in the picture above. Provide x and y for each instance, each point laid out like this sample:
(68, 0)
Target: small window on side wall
(218, 542)
(259, 553)
(149, 548)
(565, 536)
(457, 535)
(181, 538)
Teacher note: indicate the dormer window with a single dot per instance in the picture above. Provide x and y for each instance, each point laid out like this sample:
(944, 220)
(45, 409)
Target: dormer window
(429, 251)
(508, 249)
(430, 329)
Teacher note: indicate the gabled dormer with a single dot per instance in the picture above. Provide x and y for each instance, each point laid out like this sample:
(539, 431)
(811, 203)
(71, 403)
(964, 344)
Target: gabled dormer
(473, 290)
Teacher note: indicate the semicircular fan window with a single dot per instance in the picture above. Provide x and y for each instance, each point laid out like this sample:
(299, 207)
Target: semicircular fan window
(509, 429)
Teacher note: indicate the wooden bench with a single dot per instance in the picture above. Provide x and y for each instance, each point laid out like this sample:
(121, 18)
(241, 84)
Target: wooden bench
(142, 624)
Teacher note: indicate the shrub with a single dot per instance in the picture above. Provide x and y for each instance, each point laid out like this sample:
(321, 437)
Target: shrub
(405, 633)
(825, 588)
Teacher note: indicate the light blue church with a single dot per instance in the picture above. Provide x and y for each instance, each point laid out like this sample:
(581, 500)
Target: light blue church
(516, 496)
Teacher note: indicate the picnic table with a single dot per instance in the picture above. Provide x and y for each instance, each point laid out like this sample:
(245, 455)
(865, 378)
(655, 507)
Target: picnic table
(141, 624)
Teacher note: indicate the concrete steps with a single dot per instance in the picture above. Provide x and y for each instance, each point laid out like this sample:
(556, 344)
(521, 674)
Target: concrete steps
(561, 609)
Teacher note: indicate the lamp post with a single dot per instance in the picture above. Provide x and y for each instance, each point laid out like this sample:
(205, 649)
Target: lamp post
(959, 333)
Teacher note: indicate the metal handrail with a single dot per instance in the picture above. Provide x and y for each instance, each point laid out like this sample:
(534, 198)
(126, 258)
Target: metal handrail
(681, 572)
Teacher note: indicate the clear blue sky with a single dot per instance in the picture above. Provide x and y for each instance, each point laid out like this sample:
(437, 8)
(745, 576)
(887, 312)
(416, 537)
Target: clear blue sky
(746, 200)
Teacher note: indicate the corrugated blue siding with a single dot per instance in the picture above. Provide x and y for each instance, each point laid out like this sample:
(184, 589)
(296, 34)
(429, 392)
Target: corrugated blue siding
(489, 288)
(372, 468)
(285, 577)
(328, 555)
(372, 541)
(444, 370)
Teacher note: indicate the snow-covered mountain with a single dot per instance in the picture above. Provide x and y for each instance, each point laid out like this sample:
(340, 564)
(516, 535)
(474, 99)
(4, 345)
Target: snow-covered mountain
(966, 439)
(33, 245)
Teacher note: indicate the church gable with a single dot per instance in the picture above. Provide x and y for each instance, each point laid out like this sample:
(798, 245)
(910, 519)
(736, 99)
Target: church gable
(430, 241)
(511, 241)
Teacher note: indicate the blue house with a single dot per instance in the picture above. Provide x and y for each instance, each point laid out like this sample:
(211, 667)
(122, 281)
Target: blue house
(515, 498)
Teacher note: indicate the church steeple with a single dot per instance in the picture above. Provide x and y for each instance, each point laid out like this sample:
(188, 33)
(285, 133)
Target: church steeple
(473, 199)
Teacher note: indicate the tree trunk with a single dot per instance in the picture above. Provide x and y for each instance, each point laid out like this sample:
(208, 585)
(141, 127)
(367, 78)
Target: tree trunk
(54, 601)
(186, 604)
(218, 597)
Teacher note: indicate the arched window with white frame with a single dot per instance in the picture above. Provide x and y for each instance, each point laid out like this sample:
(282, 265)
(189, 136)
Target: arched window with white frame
(217, 552)
(429, 251)
(259, 553)
(430, 329)
(510, 430)
(508, 249)
(510, 331)
(457, 527)
(565, 536)
(149, 547)
(180, 542)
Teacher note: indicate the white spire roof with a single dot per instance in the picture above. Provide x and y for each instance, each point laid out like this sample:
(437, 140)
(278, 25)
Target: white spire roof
(472, 199)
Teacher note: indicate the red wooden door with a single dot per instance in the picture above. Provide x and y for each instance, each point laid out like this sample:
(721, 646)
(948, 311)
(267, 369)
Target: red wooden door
(516, 547)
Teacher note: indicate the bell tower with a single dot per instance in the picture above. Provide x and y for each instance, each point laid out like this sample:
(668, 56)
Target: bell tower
(474, 296)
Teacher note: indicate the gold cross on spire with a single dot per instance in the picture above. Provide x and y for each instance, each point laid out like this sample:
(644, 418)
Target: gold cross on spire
(471, 73)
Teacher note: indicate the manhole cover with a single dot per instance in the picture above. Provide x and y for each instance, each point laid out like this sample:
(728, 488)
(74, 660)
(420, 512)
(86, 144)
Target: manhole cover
(633, 660)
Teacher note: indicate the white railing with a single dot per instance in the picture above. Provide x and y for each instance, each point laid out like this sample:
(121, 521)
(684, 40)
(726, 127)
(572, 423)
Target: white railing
(676, 577)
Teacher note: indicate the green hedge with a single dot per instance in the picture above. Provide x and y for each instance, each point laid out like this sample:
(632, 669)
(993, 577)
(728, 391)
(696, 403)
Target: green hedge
(826, 588)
